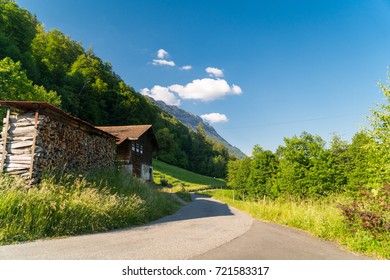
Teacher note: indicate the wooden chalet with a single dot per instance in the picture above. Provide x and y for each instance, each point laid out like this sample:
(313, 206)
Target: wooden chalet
(37, 136)
(135, 146)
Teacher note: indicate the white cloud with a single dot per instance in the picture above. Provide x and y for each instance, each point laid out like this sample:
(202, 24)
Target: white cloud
(205, 89)
(186, 67)
(163, 62)
(214, 72)
(161, 53)
(163, 94)
(215, 118)
(236, 89)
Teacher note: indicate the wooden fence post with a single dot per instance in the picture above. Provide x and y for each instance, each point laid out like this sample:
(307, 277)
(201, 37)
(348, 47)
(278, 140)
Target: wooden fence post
(33, 144)
(5, 136)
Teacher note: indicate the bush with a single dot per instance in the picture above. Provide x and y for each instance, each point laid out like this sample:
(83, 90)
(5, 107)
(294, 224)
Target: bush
(163, 181)
(369, 211)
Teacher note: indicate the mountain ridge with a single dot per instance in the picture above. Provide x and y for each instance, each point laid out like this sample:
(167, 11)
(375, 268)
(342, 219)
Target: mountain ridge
(192, 121)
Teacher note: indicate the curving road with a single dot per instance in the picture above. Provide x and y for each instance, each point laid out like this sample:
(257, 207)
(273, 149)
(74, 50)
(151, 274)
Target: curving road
(203, 229)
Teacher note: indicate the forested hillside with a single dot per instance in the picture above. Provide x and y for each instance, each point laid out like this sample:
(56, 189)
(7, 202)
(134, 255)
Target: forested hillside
(41, 65)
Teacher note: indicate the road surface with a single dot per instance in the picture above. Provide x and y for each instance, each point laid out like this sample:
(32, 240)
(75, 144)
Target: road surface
(203, 229)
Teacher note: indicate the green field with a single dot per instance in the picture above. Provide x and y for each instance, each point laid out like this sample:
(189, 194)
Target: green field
(180, 178)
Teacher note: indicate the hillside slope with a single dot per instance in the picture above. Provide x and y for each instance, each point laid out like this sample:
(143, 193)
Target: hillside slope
(40, 65)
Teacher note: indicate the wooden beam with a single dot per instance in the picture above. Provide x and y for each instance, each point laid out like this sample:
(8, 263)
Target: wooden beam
(5, 136)
(33, 144)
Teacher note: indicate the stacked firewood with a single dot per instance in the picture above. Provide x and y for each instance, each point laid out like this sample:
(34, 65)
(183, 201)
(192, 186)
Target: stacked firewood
(55, 144)
(73, 149)
(20, 134)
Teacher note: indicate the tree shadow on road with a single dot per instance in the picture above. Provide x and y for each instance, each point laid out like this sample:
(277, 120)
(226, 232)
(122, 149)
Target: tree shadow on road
(200, 207)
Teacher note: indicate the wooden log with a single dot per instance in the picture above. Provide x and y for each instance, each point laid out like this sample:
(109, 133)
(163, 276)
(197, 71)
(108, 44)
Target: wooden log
(26, 130)
(21, 157)
(20, 138)
(11, 166)
(19, 145)
(21, 122)
(12, 150)
(17, 158)
(19, 172)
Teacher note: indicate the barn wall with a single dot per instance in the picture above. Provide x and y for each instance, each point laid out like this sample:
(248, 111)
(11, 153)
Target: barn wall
(124, 152)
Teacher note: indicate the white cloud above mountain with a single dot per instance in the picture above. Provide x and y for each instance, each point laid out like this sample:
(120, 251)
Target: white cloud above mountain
(215, 118)
(205, 90)
(163, 94)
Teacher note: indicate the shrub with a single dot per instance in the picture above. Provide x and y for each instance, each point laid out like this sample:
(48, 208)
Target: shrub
(369, 210)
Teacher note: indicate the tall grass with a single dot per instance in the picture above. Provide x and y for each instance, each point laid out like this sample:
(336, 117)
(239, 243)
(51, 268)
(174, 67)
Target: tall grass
(320, 217)
(64, 205)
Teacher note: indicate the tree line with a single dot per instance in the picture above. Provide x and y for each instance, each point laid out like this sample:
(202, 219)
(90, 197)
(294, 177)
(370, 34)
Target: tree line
(40, 65)
(305, 167)
(355, 176)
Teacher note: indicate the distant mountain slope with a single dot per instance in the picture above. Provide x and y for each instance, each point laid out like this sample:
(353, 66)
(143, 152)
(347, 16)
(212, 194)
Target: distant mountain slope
(192, 121)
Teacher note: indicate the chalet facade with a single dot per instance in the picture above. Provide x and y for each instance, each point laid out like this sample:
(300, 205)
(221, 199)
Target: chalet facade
(135, 146)
(37, 136)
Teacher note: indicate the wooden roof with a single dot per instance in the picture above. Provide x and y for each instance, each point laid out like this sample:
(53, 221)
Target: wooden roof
(130, 132)
(52, 111)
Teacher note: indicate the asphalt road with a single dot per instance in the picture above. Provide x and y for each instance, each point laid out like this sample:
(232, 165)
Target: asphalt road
(203, 229)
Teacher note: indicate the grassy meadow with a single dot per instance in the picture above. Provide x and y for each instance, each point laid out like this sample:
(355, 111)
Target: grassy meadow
(183, 179)
(65, 205)
(322, 218)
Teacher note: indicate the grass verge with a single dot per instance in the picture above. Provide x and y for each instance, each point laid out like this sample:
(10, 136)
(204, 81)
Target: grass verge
(69, 205)
(320, 217)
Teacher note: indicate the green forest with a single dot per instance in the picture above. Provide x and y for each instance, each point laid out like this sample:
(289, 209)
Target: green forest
(307, 167)
(40, 65)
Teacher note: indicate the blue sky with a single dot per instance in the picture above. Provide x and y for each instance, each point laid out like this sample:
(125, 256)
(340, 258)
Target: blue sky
(267, 69)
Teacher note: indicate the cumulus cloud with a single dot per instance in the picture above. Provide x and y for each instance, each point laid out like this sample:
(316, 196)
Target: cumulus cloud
(236, 89)
(161, 53)
(214, 72)
(163, 62)
(205, 89)
(186, 67)
(215, 118)
(161, 93)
